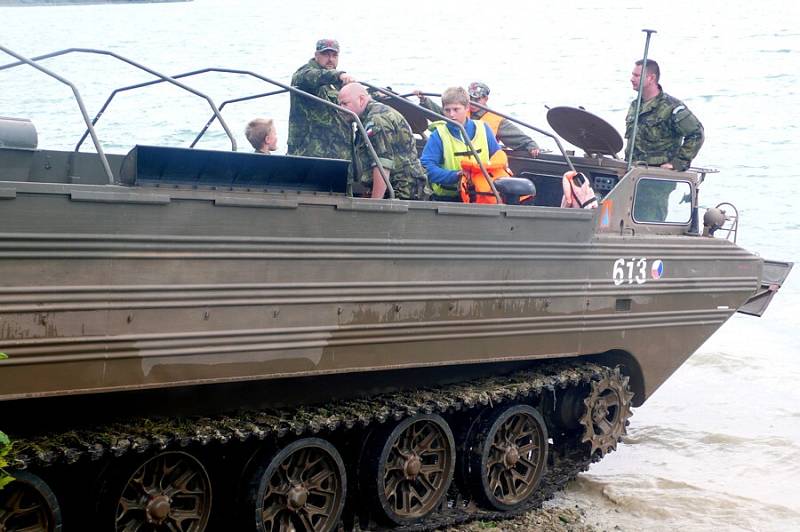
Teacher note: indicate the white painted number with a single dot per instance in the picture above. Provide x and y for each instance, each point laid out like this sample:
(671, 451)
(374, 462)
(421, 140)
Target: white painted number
(618, 274)
(633, 270)
(641, 275)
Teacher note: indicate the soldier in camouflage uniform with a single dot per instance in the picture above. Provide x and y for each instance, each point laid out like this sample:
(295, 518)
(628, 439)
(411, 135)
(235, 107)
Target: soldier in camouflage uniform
(668, 135)
(394, 144)
(315, 129)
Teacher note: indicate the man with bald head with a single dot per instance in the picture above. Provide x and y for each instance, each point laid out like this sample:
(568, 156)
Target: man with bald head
(394, 144)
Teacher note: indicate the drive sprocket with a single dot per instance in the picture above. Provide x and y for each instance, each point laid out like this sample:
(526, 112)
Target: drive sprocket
(608, 407)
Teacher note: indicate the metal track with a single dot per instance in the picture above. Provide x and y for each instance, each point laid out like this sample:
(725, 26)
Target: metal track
(140, 435)
(458, 511)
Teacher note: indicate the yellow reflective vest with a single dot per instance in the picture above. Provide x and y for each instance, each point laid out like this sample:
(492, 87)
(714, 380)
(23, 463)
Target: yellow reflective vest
(455, 150)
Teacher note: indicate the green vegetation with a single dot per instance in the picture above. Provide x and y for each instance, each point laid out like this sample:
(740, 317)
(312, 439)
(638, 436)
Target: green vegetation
(5, 448)
(3, 356)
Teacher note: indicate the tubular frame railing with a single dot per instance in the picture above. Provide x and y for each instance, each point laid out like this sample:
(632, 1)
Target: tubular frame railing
(164, 78)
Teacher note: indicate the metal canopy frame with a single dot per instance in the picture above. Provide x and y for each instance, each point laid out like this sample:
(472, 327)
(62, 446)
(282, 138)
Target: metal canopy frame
(162, 78)
(173, 80)
(22, 60)
(217, 115)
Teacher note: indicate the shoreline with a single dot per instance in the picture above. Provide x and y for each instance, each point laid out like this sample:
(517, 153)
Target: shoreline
(556, 515)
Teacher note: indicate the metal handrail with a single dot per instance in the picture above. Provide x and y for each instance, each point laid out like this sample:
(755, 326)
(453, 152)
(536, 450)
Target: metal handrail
(284, 88)
(510, 119)
(304, 94)
(163, 77)
(157, 81)
(147, 84)
(217, 115)
(22, 60)
(467, 141)
(226, 102)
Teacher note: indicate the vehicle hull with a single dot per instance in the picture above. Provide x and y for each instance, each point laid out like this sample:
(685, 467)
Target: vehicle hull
(107, 288)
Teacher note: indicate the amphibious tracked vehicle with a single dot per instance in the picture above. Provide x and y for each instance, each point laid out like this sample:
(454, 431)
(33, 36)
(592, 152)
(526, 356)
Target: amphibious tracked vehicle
(215, 340)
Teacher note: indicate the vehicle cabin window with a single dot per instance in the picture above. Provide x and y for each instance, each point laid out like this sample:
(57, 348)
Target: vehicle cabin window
(663, 201)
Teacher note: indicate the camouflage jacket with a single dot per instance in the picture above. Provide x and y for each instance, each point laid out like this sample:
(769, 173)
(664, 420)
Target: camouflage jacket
(668, 132)
(395, 146)
(315, 129)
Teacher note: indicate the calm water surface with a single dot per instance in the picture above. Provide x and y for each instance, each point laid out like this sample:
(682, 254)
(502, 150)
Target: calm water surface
(718, 446)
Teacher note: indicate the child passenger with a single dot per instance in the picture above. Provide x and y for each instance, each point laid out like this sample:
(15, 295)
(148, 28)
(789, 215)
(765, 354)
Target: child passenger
(261, 133)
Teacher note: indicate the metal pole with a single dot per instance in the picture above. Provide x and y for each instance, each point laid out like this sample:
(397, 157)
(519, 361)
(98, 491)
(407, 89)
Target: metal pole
(632, 141)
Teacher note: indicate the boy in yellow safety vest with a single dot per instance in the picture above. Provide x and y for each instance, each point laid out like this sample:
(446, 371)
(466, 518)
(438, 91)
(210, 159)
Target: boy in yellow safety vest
(445, 148)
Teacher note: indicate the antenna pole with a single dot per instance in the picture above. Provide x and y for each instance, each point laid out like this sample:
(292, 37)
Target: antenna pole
(632, 141)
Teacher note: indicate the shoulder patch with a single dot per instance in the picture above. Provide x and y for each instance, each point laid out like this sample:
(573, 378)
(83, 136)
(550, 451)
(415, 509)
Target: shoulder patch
(678, 109)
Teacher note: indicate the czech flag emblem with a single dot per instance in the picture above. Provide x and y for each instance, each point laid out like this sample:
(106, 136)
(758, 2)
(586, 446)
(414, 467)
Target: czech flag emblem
(657, 269)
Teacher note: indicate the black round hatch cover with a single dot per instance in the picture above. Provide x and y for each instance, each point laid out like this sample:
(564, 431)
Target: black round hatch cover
(583, 129)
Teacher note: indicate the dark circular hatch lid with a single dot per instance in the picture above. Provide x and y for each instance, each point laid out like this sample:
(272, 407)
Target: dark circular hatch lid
(583, 129)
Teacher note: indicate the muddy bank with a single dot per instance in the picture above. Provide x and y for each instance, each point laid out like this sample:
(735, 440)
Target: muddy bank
(555, 516)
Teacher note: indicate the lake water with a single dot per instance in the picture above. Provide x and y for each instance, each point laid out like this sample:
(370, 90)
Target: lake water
(718, 446)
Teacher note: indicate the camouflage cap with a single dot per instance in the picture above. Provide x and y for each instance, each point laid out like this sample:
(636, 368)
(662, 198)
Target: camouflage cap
(477, 90)
(323, 45)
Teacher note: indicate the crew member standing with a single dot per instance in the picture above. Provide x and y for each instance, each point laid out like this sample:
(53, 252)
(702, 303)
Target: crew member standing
(668, 134)
(316, 129)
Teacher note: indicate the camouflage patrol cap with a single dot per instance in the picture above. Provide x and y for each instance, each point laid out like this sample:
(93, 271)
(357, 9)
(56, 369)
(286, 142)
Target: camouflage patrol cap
(323, 45)
(477, 90)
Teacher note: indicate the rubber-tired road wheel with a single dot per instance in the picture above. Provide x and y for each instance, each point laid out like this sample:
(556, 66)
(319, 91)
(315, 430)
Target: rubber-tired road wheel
(302, 487)
(28, 505)
(407, 468)
(170, 491)
(507, 456)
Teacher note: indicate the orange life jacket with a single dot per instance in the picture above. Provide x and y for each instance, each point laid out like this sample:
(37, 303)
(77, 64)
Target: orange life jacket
(473, 186)
(493, 120)
(578, 194)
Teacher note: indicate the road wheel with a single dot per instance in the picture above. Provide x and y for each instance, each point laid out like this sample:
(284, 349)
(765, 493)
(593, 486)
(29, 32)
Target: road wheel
(507, 457)
(302, 487)
(170, 491)
(28, 505)
(408, 467)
